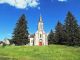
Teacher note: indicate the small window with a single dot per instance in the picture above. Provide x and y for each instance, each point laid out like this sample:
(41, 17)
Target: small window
(40, 35)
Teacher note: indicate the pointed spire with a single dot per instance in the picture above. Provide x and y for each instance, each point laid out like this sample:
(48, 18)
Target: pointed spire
(40, 17)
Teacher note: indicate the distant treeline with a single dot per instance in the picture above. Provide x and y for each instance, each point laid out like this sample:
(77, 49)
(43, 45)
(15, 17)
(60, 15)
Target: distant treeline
(67, 33)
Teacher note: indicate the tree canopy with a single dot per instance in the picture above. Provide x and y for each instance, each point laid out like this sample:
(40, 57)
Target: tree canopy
(20, 33)
(67, 33)
(51, 38)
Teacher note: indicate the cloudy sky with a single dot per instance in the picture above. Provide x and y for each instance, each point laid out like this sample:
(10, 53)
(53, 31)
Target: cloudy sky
(51, 11)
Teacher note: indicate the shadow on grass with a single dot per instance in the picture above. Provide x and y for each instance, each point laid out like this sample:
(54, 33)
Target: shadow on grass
(7, 58)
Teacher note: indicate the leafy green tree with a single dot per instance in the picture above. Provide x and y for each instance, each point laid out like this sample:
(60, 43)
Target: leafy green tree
(59, 33)
(71, 29)
(51, 38)
(20, 33)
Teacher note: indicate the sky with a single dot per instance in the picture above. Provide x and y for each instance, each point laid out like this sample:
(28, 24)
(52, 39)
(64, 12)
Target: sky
(51, 11)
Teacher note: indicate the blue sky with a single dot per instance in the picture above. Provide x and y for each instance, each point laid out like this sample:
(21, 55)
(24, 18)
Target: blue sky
(51, 11)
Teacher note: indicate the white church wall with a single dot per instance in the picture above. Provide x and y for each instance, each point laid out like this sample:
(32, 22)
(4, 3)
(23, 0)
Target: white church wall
(44, 39)
(40, 27)
(6, 41)
(41, 35)
(36, 39)
(31, 41)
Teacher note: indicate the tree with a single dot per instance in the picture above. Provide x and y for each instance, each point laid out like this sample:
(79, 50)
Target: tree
(51, 38)
(71, 29)
(20, 33)
(79, 36)
(59, 33)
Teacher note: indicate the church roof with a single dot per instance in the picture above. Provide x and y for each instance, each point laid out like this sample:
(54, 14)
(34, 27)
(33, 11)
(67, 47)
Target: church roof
(40, 19)
(1, 42)
(31, 36)
(7, 39)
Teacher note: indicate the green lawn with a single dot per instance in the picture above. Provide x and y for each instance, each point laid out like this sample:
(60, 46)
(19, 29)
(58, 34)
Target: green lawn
(51, 52)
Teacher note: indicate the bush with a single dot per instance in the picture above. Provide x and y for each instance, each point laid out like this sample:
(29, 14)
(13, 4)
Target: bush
(4, 44)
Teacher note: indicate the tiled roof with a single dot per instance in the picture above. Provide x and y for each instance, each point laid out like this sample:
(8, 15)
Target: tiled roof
(31, 36)
(8, 39)
(1, 42)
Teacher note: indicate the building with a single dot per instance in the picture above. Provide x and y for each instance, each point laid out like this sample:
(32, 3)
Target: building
(1, 42)
(6, 41)
(31, 39)
(40, 36)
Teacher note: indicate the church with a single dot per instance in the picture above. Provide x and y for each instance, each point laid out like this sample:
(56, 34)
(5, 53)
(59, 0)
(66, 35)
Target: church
(40, 36)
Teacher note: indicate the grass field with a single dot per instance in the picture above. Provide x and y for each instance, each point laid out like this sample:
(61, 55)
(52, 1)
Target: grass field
(51, 52)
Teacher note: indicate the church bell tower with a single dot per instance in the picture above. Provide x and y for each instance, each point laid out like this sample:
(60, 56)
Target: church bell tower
(40, 23)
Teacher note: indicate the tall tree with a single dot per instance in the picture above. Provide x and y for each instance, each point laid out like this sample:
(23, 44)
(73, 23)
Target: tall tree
(71, 28)
(59, 33)
(51, 38)
(79, 36)
(20, 33)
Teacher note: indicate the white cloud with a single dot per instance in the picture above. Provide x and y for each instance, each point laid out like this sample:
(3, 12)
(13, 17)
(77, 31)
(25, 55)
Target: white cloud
(62, 0)
(39, 8)
(9, 34)
(22, 4)
(27, 9)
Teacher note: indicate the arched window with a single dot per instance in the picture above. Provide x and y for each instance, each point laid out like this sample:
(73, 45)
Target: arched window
(40, 35)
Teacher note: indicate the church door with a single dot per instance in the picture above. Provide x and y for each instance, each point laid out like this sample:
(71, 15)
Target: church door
(40, 43)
